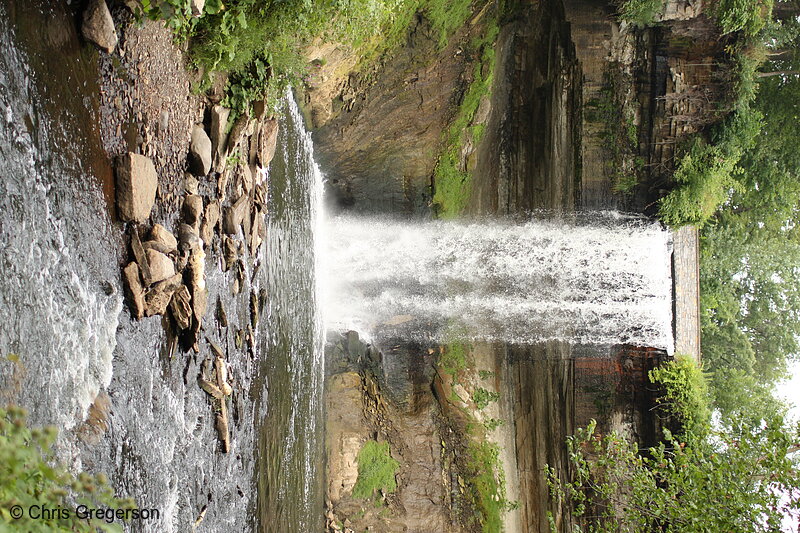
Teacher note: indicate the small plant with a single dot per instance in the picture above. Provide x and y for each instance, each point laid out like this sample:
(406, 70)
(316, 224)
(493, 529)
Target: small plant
(30, 476)
(685, 393)
(376, 470)
(485, 374)
(493, 423)
(483, 397)
(643, 13)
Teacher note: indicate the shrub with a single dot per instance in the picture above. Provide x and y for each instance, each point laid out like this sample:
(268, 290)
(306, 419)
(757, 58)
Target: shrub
(685, 393)
(29, 475)
(376, 470)
(641, 12)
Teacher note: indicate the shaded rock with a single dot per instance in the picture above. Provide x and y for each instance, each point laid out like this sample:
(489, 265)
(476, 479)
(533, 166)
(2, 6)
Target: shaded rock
(210, 221)
(222, 316)
(134, 289)
(158, 297)
(193, 210)
(188, 237)
(234, 215)
(200, 151)
(140, 255)
(136, 187)
(229, 252)
(161, 266)
(98, 26)
(253, 309)
(267, 141)
(219, 135)
(163, 236)
(238, 130)
(181, 307)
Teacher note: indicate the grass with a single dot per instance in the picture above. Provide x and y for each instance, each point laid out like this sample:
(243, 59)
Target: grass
(376, 470)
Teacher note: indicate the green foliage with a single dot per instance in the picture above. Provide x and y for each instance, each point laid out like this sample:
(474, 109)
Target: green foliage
(452, 183)
(640, 12)
(493, 423)
(376, 470)
(747, 16)
(686, 393)
(29, 475)
(742, 478)
(454, 359)
(485, 374)
(708, 173)
(487, 485)
(483, 397)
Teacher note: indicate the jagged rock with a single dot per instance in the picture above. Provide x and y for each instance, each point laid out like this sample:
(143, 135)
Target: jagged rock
(255, 232)
(193, 210)
(229, 252)
(190, 184)
(222, 373)
(98, 26)
(140, 254)
(136, 187)
(181, 307)
(222, 428)
(222, 184)
(219, 135)
(238, 280)
(247, 178)
(267, 141)
(197, 7)
(158, 297)
(210, 221)
(200, 151)
(134, 289)
(238, 130)
(158, 247)
(197, 276)
(162, 235)
(222, 316)
(188, 237)
(234, 215)
(253, 309)
(161, 266)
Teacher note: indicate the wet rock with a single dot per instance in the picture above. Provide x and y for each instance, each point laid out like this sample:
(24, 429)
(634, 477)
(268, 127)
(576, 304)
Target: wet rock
(158, 297)
(238, 281)
(96, 424)
(134, 289)
(229, 252)
(219, 135)
(255, 232)
(188, 238)
(238, 130)
(193, 210)
(253, 309)
(234, 215)
(140, 255)
(200, 151)
(267, 141)
(190, 184)
(158, 247)
(98, 26)
(210, 221)
(181, 307)
(163, 236)
(222, 316)
(197, 277)
(161, 266)
(136, 187)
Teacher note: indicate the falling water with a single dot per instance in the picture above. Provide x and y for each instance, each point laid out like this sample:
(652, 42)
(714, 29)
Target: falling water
(290, 487)
(605, 279)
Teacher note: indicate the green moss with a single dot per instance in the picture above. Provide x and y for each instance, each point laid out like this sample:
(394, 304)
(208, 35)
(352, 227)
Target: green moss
(486, 484)
(376, 470)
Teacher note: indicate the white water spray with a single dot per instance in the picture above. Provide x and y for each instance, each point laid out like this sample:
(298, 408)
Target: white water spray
(605, 281)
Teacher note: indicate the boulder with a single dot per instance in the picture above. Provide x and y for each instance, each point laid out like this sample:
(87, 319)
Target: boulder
(234, 216)
(136, 187)
(98, 26)
(229, 252)
(181, 307)
(163, 236)
(219, 135)
(267, 141)
(210, 221)
(158, 297)
(190, 184)
(161, 266)
(158, 247)
(193, 210)
(134, 289)
(200, 151)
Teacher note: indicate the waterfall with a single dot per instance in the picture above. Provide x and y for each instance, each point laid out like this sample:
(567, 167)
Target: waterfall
(603, 279)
